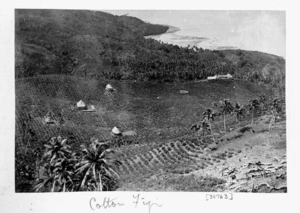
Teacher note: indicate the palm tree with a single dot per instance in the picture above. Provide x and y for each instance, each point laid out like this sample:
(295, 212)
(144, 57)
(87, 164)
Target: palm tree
(57, 149)
(58, 167)
(275, 105)
(205, 128)
(96, 165)
(37, 155)
(275, 109)
(64, 173)
(253, 106)
(196, 126)
(262, 100)
(225, 109)
(60, 121)
(60, 176)
(239, 111)
(209, 115)
(216, 108)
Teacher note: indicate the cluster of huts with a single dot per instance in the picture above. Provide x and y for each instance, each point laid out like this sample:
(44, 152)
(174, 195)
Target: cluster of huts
(81, 105)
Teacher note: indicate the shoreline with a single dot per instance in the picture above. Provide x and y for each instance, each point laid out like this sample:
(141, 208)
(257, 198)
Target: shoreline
(171, 29)
(171, 37)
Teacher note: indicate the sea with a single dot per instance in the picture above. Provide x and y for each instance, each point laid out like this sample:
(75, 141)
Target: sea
(256, 30)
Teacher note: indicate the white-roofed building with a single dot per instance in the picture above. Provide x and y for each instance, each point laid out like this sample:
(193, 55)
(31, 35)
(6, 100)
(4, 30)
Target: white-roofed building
(211, 77)
(116, 131)
(109, 87)
(81, 105)
(227, 76)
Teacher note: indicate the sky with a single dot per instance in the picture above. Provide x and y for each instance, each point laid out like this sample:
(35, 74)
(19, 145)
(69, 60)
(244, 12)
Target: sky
(251, 30)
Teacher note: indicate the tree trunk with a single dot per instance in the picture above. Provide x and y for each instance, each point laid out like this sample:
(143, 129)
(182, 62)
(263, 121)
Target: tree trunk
(100, 182)
(238, 120)
(211, 132)
(37, 169)
(224, 122)
(270, 123)
(95, 176)
(217, 123)
(53, 186)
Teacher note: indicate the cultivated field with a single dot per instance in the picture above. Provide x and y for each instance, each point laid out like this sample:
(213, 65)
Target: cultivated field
(164, 151)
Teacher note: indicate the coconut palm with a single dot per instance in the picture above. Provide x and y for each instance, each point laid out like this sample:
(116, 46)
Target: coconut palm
(196, 126)
(275, 105)
(59, 175)
(96, 167)
(37, 155)
(209, 115)
(239, 111)
(275, 109)
(58, 167)
(64, 173)
(253, 107)
(225, 109)
(205, 128)
(216, 108)
(262, 100)
(57, 149)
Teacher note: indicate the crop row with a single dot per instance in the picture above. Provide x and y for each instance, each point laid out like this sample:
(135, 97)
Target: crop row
(164, 155)
(177, 154)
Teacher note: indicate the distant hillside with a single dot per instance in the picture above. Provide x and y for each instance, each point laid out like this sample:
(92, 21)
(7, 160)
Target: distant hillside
(69, 41)
(258, 67)
(100, 45)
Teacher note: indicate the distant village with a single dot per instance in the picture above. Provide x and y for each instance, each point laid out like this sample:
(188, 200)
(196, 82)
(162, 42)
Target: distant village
(82, 106)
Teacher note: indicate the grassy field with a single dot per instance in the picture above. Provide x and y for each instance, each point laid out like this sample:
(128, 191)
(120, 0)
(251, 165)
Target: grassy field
(157, 112)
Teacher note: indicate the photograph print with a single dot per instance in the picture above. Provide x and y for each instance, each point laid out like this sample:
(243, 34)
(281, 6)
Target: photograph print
(150, 100)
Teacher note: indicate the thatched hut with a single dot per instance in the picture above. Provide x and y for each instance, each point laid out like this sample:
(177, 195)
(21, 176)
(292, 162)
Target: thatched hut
(81, 105)
(116, 131)
(109, 88)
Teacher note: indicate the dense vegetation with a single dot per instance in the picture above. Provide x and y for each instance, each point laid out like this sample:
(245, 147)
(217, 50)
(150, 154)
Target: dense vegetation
(101, 45)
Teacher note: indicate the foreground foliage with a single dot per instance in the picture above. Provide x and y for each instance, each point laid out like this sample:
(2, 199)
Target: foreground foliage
(63, 170)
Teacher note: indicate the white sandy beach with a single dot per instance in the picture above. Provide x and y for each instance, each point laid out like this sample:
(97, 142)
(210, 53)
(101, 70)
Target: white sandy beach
(173, 36)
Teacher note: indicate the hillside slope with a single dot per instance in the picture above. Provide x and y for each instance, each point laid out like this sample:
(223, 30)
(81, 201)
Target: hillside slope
(155, 112)
(148, 108)
(63, 56)
(69, 41)
(101, 45)
(239, 162)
